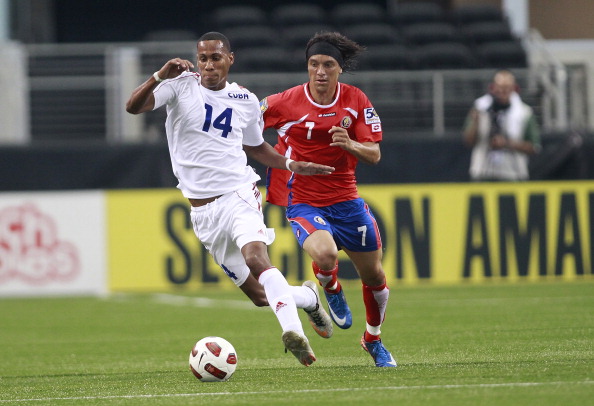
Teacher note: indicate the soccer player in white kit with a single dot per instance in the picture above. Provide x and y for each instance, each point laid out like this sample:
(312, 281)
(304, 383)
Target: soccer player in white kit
(211, 125)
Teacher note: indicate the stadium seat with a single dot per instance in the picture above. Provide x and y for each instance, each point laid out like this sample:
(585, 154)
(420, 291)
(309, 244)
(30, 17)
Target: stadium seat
(426, 33)
(415, 13)
(170, 35)
(445, 55)
(346, 14)
(291, 14)
(387, 57)
(231, 16)
(488, 31)
(252, 36)
(502, 54)
(475, 13)
(264, 59)
(373, 34)
(298, 35)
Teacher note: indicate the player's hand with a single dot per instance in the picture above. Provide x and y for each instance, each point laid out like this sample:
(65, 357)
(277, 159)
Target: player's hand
(340, 138)
(175, 67)
(310, 168)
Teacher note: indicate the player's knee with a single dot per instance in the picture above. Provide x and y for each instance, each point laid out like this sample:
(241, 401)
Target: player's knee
(257, 260)
(326, 265)
(257, 264)
(326, 259)
(373, 277)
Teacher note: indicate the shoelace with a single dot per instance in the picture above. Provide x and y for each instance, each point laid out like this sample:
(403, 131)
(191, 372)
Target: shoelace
(315, 315)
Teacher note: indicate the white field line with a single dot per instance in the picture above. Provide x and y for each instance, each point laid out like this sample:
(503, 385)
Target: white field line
(204, 302)
(177, 300)
(324, 390)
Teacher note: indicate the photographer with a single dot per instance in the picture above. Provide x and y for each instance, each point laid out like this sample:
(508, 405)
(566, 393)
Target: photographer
(502, 131)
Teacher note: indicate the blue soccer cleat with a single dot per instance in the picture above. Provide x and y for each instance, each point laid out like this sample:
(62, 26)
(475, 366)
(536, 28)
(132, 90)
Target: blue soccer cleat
(379, 353)
(339, 309)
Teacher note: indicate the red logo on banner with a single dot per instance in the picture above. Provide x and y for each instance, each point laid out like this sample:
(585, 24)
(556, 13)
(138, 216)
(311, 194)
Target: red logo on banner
(30, 249)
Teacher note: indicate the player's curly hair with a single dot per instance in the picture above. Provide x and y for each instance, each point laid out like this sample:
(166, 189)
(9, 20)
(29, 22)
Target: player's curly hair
(348, 48)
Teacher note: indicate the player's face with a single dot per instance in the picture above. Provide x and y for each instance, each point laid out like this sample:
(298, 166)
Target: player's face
(213, 61)
(323, 73)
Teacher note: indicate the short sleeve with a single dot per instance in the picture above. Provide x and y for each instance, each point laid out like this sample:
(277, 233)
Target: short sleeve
(164, 94)
(369, 125)
(252, 135)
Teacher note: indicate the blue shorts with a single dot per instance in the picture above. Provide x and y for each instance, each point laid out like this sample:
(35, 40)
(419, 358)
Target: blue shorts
(351, 223)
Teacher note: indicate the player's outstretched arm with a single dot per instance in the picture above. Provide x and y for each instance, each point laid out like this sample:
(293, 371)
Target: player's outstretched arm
(309, 168)
(142, 99)
(266, 155)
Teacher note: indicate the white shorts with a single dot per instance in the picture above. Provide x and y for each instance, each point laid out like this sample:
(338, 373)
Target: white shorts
(225, 225)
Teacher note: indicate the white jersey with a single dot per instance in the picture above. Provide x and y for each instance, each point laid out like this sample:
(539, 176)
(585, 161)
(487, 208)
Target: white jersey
(206, 131)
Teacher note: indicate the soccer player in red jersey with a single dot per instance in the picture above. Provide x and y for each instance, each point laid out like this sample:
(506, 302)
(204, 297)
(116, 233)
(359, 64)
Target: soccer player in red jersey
(335, 124)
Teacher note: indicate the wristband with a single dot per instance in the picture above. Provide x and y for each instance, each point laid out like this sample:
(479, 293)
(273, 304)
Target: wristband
(287, 163)
(157, 78)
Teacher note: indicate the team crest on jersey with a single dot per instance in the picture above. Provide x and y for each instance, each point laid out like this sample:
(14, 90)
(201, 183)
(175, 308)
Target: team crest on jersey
(264, 104)
(371, 116)
(346, 122)
(319, 220)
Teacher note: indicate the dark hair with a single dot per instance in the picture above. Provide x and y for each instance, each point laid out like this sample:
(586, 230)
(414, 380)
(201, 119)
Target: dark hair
(348, 48)
(216, 36)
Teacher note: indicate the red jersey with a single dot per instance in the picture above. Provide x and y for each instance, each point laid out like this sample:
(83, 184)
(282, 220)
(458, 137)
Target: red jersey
(302, 126)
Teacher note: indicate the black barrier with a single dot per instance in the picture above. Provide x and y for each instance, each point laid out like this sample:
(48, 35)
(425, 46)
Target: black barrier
(133, 166)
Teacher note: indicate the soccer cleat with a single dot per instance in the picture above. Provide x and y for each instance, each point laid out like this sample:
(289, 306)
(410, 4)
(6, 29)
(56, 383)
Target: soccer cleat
(339, 309)
(379, 353)
(297, 343)
(318, 318)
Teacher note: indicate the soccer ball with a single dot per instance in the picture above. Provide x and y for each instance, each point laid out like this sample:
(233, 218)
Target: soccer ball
(213, 359)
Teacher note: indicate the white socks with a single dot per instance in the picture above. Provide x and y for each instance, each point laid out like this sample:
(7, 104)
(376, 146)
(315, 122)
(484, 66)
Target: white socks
(280, 298)
(304, 297)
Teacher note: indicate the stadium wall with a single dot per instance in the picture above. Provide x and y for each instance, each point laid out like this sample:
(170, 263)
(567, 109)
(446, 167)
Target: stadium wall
(412, 159)
(93, 242)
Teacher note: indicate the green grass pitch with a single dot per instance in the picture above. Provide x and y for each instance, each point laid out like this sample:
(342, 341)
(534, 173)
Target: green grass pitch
(490, 344)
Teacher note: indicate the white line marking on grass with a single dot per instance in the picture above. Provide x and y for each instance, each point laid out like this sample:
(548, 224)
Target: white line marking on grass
(204, 302)
(324, 390)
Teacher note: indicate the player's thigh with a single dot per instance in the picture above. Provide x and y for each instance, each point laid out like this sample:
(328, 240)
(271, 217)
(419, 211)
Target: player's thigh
(213, 233)
(247, 221)
(355, 227)
(305, 220)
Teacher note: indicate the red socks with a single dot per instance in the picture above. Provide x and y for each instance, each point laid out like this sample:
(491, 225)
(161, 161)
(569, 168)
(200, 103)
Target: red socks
(328, 279)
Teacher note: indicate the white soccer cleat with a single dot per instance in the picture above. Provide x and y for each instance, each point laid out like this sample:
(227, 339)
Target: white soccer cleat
(318, 318)
(299, 345)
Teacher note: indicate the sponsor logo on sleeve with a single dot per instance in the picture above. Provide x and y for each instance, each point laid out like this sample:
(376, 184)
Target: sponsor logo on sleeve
(375, 128)
(371, 116)
(264, 104)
